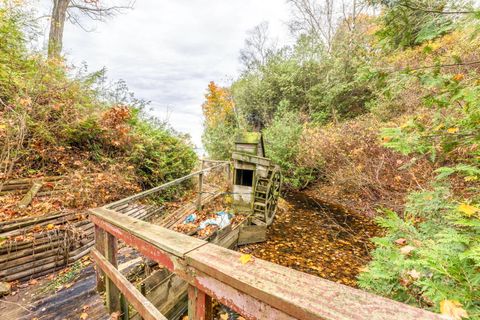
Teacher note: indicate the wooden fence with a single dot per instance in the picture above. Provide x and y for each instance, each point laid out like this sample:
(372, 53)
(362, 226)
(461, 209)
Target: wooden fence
(256, 289)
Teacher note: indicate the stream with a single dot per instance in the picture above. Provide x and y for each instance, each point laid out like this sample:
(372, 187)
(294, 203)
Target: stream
(312, 237)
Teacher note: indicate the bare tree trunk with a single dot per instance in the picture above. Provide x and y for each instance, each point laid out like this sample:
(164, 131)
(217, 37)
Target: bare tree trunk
(55, 38)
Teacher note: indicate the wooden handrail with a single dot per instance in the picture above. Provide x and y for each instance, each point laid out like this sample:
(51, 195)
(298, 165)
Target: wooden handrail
(138, 301)
(257, 289)
(145, 193)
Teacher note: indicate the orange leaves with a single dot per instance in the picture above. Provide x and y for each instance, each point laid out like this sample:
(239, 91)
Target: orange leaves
(218, 105)
(458, 77)
(115, 124)
(453, 130)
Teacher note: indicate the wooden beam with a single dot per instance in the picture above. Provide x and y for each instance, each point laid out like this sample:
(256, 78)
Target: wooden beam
(27, 199)
(199, 304)
(144, 307)
(113, 294)
(138, 232)
(252, 234)
(124, 305)
(295, 293)
(200, 187)
(100, 246)
(143, 194)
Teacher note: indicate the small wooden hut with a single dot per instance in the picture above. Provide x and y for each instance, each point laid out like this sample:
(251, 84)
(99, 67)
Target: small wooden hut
(256, 180)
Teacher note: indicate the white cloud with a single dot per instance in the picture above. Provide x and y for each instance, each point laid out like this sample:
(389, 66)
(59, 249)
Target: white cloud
(168, 51)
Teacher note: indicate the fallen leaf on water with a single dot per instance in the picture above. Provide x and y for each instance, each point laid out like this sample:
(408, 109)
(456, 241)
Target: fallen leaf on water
(453, 309)
(245, 258)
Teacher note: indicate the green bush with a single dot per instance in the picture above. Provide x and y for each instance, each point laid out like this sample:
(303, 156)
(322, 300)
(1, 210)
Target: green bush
(282, 146)
(431, 255)
(54, 120)
(219, 140)
(159, 154)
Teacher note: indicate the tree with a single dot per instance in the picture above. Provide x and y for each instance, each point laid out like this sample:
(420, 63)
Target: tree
(314, 18)
(320, 19)
(220, 121)
(258, 47)
(72, 10)
(411, 22)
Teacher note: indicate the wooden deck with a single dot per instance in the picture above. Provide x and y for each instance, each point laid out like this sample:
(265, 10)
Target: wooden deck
(256, 289)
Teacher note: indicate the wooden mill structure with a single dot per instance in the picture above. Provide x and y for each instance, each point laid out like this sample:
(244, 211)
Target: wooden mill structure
(256, 180)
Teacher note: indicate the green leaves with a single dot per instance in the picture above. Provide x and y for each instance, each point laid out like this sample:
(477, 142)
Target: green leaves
(471, 172)
(445, 257)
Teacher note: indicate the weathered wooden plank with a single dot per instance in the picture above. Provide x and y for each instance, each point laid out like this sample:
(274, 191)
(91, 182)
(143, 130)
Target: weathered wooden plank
(112, 292)
(295, 293)
(199, 304)
(156, 238)
(200, 190)
(166, 293)
(252, 234)
(227, 240)
(27, 199)
(244, 304)
(179, 215)
(144, 307)
(25, 222)
(251, 158)
(161, 187)
(100, 246)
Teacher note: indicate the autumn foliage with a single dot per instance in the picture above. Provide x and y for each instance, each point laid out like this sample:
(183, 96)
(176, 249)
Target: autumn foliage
(59, 121)
(385, 122)
(220, 121)
(218, 107)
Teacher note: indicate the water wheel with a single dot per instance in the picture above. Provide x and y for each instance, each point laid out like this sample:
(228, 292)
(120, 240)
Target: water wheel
(266, 193)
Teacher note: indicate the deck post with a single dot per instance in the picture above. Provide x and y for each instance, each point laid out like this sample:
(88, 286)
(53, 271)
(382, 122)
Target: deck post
(200, 186)
(199, 304)
(113, 294)
(124, 307)
(100, 246)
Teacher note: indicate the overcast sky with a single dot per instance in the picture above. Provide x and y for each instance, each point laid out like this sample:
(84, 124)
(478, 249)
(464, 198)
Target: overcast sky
(168, 51)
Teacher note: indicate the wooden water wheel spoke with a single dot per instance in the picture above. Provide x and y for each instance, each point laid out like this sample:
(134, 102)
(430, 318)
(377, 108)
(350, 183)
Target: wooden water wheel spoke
(267, 191)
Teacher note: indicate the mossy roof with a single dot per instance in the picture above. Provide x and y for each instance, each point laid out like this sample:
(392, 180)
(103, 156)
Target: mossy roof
(249, 137)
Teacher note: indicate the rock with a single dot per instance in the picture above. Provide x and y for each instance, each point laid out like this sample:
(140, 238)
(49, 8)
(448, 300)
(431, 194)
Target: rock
(4, 289)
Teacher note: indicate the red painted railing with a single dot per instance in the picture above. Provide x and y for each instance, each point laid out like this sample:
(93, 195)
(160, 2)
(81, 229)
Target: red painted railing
(257, 289)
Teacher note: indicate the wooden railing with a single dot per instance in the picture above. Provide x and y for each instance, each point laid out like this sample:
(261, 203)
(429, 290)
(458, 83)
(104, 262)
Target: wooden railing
(200, 174)
(256, 289)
